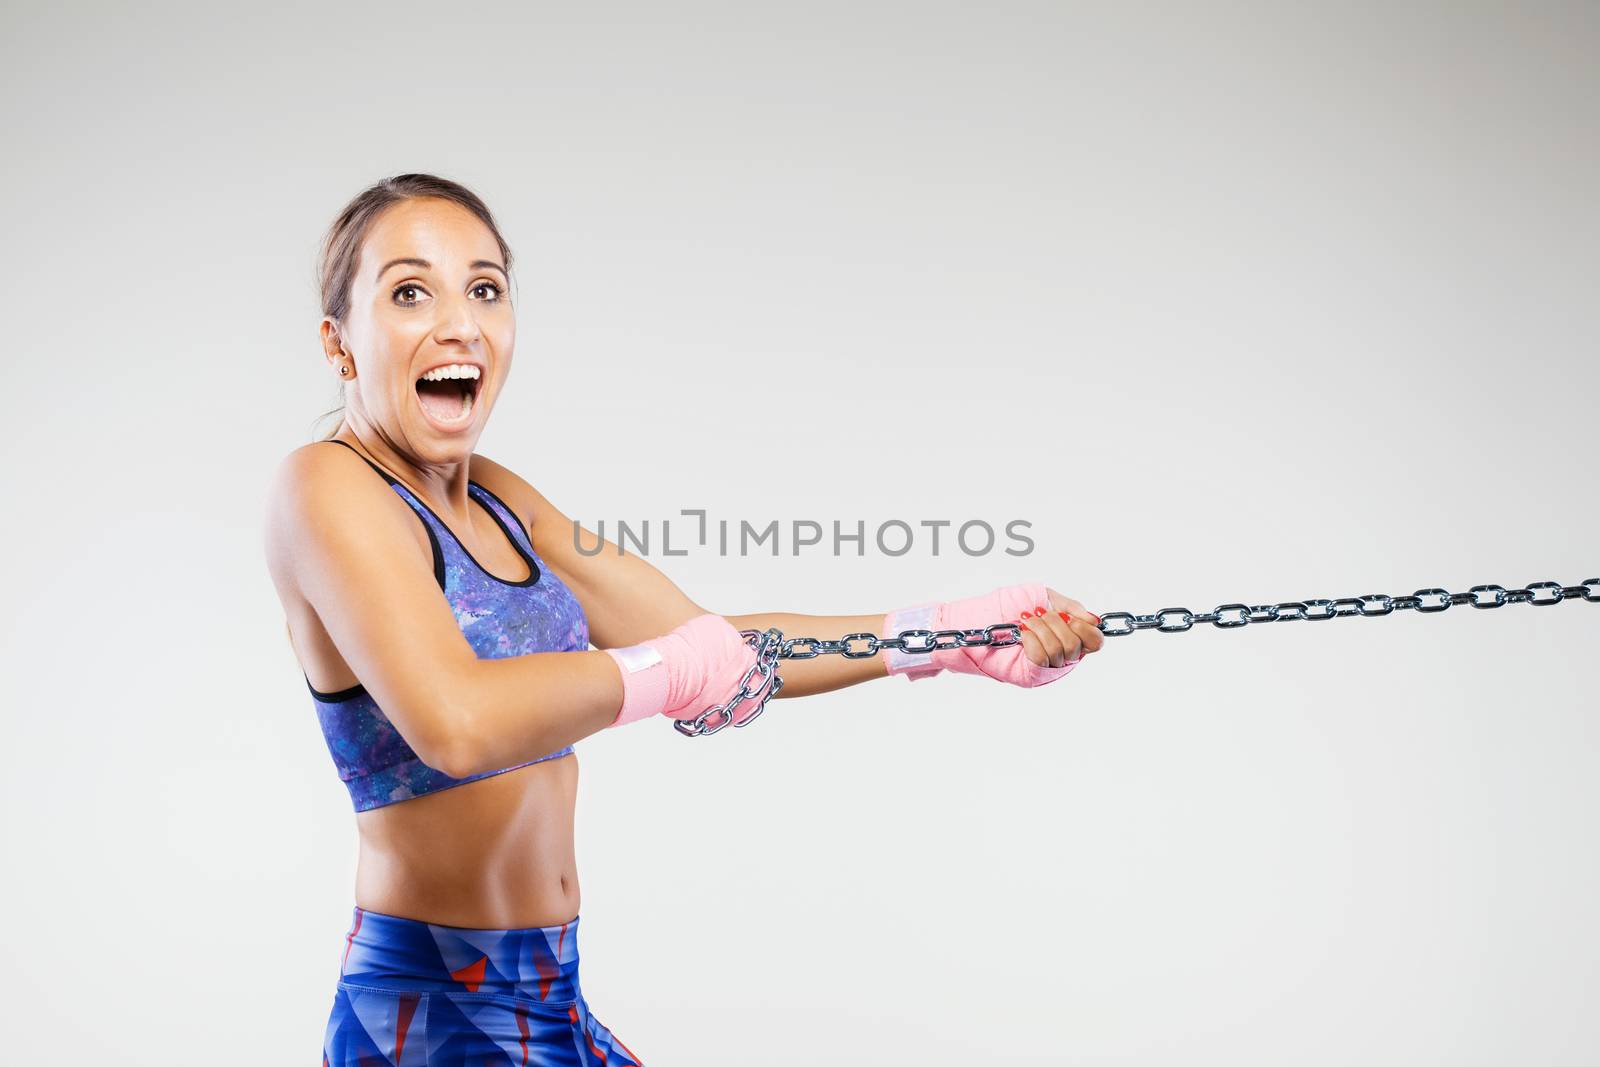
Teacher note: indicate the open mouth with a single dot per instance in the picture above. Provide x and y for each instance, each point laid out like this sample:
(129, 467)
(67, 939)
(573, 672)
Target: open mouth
(448, 394)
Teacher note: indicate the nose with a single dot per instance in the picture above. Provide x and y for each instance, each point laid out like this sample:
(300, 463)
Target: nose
(458, 322)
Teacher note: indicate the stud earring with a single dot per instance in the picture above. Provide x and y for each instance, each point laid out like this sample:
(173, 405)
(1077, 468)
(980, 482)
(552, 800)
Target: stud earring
(344, 368)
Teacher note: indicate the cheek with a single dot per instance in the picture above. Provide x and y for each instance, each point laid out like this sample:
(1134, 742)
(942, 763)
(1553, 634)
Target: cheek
(503, 341)
(395, 345)
(403, 331)
(505, 335)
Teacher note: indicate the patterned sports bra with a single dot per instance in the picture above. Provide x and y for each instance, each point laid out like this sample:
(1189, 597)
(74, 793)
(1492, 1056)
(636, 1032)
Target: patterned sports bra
(498, 617)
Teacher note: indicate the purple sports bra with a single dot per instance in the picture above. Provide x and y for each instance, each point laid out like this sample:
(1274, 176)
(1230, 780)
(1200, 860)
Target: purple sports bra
(499, 618)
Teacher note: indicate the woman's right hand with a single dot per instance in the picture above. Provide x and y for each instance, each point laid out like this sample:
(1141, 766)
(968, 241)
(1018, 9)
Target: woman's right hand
(1049, 649)
(683, 672)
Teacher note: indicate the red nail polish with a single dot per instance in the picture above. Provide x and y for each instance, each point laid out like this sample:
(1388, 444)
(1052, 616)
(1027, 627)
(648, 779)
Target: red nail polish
(1039, 610)
(1024, 626)
(1064, 616)
(1027, 614)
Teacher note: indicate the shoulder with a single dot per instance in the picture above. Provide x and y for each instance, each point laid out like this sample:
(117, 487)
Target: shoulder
(323, 470)
(321, 486)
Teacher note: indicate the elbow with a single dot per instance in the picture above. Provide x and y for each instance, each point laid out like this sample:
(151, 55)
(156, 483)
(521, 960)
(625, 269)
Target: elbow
(452, 746)
(476, 733)
(455, 753)
(455, 760)
(456, 750)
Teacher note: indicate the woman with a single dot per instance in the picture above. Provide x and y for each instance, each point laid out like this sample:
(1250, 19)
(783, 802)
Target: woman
(442, 617)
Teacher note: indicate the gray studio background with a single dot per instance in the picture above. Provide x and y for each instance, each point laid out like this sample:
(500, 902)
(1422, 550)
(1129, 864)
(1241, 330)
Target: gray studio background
(1232, 302)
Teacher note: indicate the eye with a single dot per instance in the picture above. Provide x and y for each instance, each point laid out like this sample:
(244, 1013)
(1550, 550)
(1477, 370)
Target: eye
(489, 285)
(403, 288)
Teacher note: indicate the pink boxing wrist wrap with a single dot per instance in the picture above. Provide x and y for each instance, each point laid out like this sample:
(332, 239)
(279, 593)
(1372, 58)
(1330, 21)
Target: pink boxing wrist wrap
(681, 673)
(644, 682)
(1007, 663)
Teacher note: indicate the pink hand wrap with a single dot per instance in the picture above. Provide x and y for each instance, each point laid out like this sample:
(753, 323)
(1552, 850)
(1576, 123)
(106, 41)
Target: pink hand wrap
(681, 673)
(1009, 663)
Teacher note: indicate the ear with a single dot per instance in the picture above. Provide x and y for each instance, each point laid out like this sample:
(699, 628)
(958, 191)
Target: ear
(332, 345)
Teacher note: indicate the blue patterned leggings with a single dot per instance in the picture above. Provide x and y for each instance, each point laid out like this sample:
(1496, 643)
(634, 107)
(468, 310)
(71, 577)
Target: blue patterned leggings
(418, 994)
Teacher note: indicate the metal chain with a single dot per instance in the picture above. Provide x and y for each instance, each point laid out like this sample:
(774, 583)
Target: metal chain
(1380, 604)
(771, 645)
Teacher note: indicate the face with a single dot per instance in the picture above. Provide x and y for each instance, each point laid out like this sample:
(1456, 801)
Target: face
(430, 291)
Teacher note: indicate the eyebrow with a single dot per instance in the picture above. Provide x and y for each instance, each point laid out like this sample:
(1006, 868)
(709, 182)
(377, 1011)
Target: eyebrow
(476, 264)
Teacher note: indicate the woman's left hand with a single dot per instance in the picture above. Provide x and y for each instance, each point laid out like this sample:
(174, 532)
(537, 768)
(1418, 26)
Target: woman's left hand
(1049, 647)
(1060, 632)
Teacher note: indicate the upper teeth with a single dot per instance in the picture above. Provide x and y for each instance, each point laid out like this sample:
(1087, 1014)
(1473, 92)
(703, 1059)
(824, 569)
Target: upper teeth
(454, 370)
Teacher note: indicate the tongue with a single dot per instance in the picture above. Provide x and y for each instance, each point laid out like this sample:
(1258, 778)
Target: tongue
(442, 400)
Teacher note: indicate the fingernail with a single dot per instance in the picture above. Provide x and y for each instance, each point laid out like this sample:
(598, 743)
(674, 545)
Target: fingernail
(1064, 616)
(1024, 626)
(1027, 614)
(1096, 617)
(1039, 610)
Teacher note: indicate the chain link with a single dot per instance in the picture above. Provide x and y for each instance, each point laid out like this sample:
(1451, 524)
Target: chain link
(771, 645)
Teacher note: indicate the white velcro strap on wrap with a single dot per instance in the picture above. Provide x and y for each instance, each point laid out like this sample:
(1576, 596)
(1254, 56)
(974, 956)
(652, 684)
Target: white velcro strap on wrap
(918, 617)
(637, 657)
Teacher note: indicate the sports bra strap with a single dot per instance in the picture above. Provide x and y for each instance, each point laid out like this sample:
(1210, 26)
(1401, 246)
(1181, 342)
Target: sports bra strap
(508, 518)
(386, 475)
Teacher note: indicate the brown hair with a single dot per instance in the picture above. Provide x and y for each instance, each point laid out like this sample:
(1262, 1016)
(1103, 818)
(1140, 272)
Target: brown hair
(341, 247)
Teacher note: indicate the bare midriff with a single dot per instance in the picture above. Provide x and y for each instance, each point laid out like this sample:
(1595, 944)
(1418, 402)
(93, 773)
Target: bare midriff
(496, 853)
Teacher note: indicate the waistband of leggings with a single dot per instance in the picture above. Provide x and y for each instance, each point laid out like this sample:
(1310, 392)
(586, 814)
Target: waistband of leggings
(533, 962)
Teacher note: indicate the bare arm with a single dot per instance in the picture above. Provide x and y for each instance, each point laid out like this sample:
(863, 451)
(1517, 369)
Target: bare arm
(807, 677)
(349, 545)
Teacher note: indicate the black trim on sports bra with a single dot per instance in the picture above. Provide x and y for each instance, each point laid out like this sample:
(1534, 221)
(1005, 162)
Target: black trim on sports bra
(521, 526)
(516, 543)
(335, 698)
